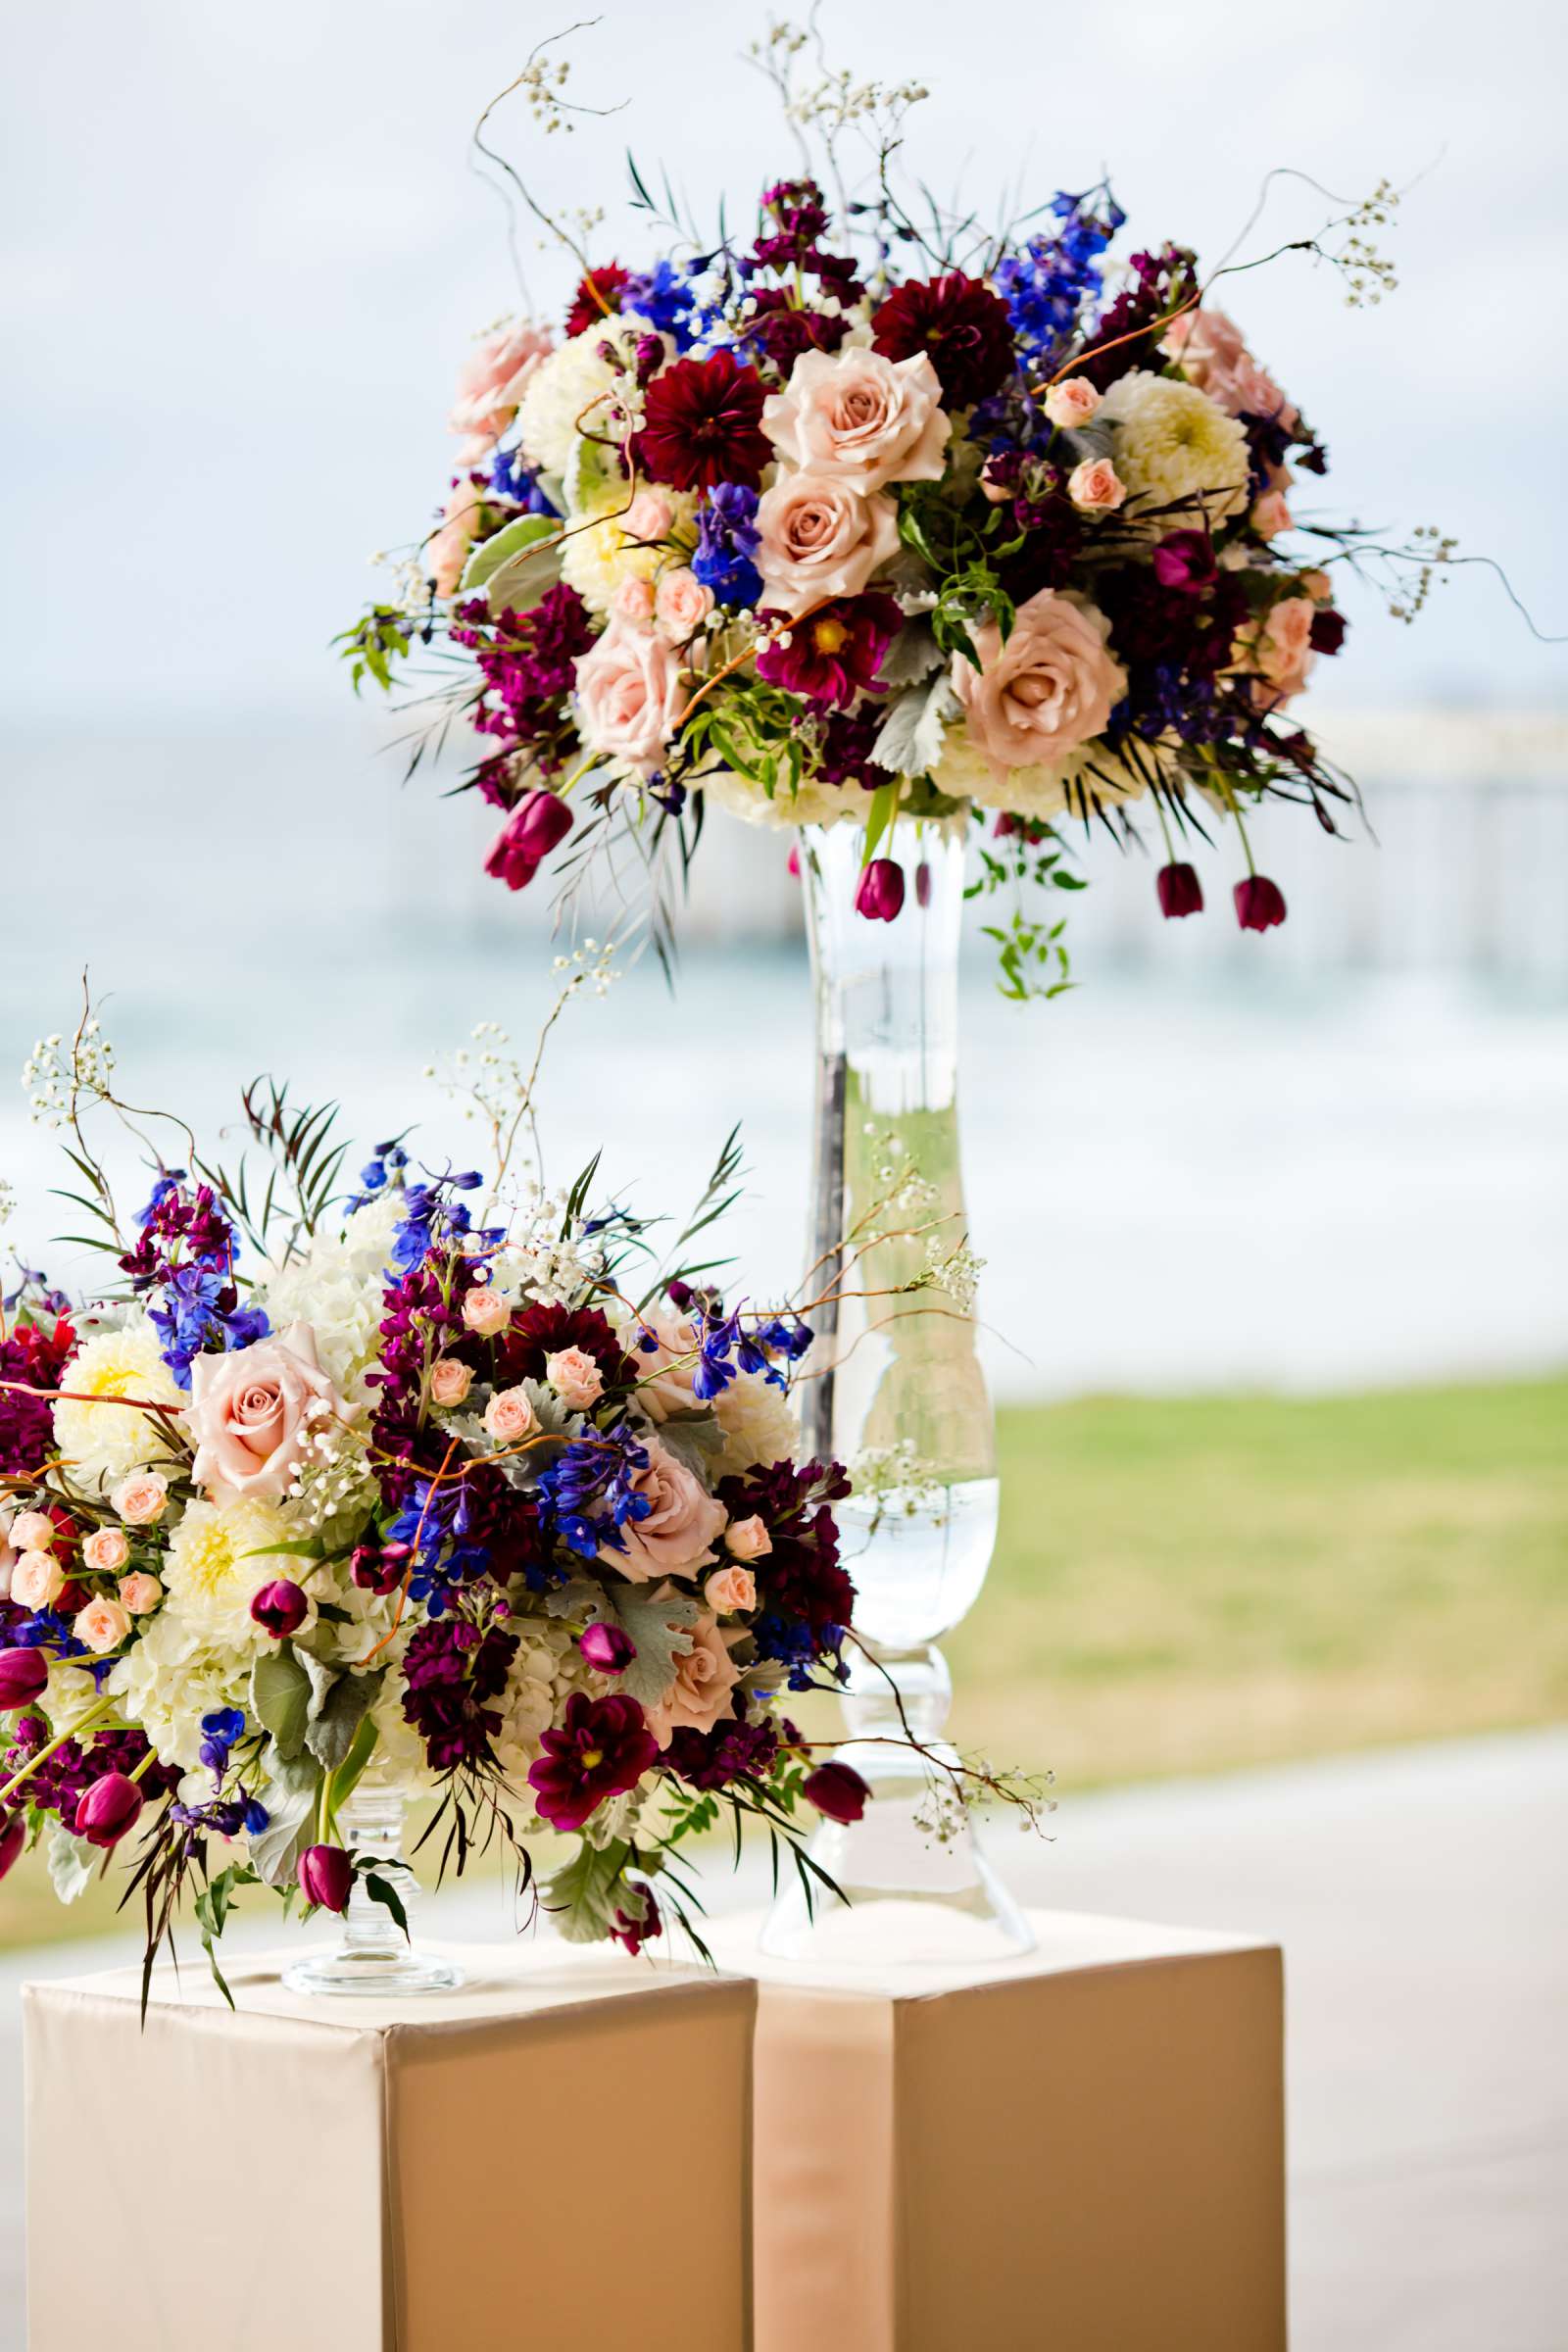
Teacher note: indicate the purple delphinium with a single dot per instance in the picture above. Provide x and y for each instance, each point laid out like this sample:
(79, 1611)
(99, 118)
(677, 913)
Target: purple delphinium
(186, 1251)
(727, 539)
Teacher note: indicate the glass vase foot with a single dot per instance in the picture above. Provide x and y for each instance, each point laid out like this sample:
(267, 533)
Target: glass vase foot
(348, 1971)
(373, 1954)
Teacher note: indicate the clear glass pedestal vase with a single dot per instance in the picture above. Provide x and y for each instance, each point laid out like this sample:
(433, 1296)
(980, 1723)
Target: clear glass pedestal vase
(895, 1389)
(374, 1955)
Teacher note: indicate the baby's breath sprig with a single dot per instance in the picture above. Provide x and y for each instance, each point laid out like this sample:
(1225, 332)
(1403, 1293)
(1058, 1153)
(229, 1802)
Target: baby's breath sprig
(59, 1078)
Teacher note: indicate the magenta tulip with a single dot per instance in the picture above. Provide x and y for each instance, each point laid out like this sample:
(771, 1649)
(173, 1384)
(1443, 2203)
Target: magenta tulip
(1180, 891)
(608, 1648)
(108, 1809)
(836, 1790)
(13, 1837)
(880, 896)
(538, 822)
(22, 1675)
(1260, 902)
(280, 1608)
(326, 1876)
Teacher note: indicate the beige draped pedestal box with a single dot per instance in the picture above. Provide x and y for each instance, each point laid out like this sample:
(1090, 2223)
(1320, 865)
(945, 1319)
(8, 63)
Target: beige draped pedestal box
(552, 2159)
(1080, 2152)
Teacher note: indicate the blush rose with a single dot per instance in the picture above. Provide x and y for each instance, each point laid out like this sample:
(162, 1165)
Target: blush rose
(252, 1411)
(821, 538)
(704, 1678)
(629, 696)
(865, 418)
(1049, 689)
(681, 1526)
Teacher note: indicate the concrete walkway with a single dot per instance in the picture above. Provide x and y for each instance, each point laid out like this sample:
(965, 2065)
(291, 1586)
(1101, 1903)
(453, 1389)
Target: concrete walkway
(1422, 1899)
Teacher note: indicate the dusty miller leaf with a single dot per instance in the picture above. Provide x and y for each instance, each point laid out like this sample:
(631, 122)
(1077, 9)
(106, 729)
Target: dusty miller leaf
(659, 1628)
(694, 1439)
(583, 1896)
(72, 1861)
(336, 1718)
(910, 740)
(913, 656)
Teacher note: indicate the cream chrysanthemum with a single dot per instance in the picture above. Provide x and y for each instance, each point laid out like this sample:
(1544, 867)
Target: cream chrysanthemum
(103, 1442)
(571, 391)
(598, 556)
(1174, 447)
(758, 1424)
(215, 1564)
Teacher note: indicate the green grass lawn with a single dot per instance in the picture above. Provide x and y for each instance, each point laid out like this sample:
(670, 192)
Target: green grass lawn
(1186, 1584)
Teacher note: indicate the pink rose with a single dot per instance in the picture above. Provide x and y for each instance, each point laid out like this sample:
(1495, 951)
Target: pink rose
(485, 1311)
(33, 1531)
(730, 1588)
(106, 1551)
(629, 696)
(633, 600)
(1271, 514)
(142, 1498)
(665, 1372)
(1212, 355)
(649, 519)
(1317, 585)
(868, 419)
(575, 1377)
(1049, 689)
(748, 1539)
(103, 1624)
(1280, 652)
(450, 1381)
(681, 1527)
(510, 1415)
(700, 1691)
(251, 1412)
(447, 550)
(491, 379)
(139, 1593)
(682, 604)
(37, 1580)
(821, 538)
(1072, 403)
(1095, 487)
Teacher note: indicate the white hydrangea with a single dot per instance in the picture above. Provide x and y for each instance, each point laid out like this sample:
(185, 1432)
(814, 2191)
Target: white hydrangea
(337, 1289)
(1173, 444)
(546, 1668)
(813, 805)
(399, 1755)
(571, 390)
(758, 1423)
(1046, 792)
(170, 1678)
(103, 1442)
(68, 1694)
(215, 1566)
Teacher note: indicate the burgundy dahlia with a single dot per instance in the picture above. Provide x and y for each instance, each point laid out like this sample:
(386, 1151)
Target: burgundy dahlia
(836, 1790)
(880, 896)
(831, 656)
(1260, 902)
(598, 297)
(603, 1749)
(703, 425)
(540, 1332)
(540, 820)
(108, 1809)
(961, 325)
(326, 1876)
(1180, 891)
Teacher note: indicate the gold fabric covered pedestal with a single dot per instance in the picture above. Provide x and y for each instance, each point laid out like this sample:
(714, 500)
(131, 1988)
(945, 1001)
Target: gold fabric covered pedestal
(1079, 2151)
(554, 2156)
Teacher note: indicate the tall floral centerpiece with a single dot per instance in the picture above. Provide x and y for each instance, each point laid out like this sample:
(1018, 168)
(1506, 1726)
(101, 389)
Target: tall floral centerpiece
(433, 1484)
(906, 532)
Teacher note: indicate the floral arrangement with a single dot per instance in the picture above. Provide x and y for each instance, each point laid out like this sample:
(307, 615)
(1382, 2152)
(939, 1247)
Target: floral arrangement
(877, 512)
(455, 1481)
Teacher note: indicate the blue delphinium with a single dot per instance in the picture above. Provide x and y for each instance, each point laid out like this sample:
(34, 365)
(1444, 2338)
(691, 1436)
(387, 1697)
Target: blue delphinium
(727, 538)
(1047, 285)
(665, 296)
(589, 1494)
(512, 478)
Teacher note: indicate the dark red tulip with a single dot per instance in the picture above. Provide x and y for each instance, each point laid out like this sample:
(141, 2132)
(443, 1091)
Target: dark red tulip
(13, 1837)
(836, 1790)
(608, 1648)
(280, 1608)
(923, 884)
(880, 896)
(1180, 891)
(108, 1809)
(326, 1876)
(22, 1675)
(795, 865)
(538, 822)
(1260, 902)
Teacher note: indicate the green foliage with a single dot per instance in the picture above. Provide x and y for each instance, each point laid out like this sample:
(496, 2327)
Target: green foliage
(1031, 958)
(305, 1166)
(72, 1861)
(280, 1697)
(516, 565)
(288, 1788)
(381, 637)
(211, 1908)
(658, 1627)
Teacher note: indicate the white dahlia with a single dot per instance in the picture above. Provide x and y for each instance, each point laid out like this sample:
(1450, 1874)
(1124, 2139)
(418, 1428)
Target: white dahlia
(573, 390)
(758, 1424)
(102, 1441)
(1172, 445)
(215, 1565)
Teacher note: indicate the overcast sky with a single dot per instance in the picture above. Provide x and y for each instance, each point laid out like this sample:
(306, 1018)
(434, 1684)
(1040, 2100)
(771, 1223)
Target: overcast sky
(244, 253)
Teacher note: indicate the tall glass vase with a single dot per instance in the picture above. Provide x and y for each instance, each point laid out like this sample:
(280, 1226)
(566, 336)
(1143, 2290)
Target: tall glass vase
(895, 1389)
(374, 1955)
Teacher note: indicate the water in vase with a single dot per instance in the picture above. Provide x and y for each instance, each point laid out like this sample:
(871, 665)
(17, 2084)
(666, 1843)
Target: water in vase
(893, 1389)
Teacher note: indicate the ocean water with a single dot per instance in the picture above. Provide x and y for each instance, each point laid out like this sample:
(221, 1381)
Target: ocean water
(1332, 1156)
